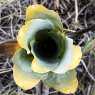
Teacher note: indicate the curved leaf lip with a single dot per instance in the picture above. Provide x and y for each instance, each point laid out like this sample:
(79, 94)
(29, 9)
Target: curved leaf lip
(39, 24)
(39, 68)
(35, 25)
(64, 63)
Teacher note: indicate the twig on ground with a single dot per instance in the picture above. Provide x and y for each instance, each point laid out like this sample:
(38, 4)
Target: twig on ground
(89, 89)
(76, 11)
(90, 75)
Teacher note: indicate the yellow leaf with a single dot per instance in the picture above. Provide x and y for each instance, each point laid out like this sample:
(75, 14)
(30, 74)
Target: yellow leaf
(77, 54)
(40, 12)
(36, 67)
(23, 79)
(22, 35)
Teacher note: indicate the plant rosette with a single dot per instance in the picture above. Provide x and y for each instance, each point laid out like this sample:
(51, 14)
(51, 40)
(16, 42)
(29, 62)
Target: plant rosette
(45, 52)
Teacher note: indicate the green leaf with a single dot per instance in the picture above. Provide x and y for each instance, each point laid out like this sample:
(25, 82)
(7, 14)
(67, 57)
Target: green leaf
(65, 83)
(24, 61)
